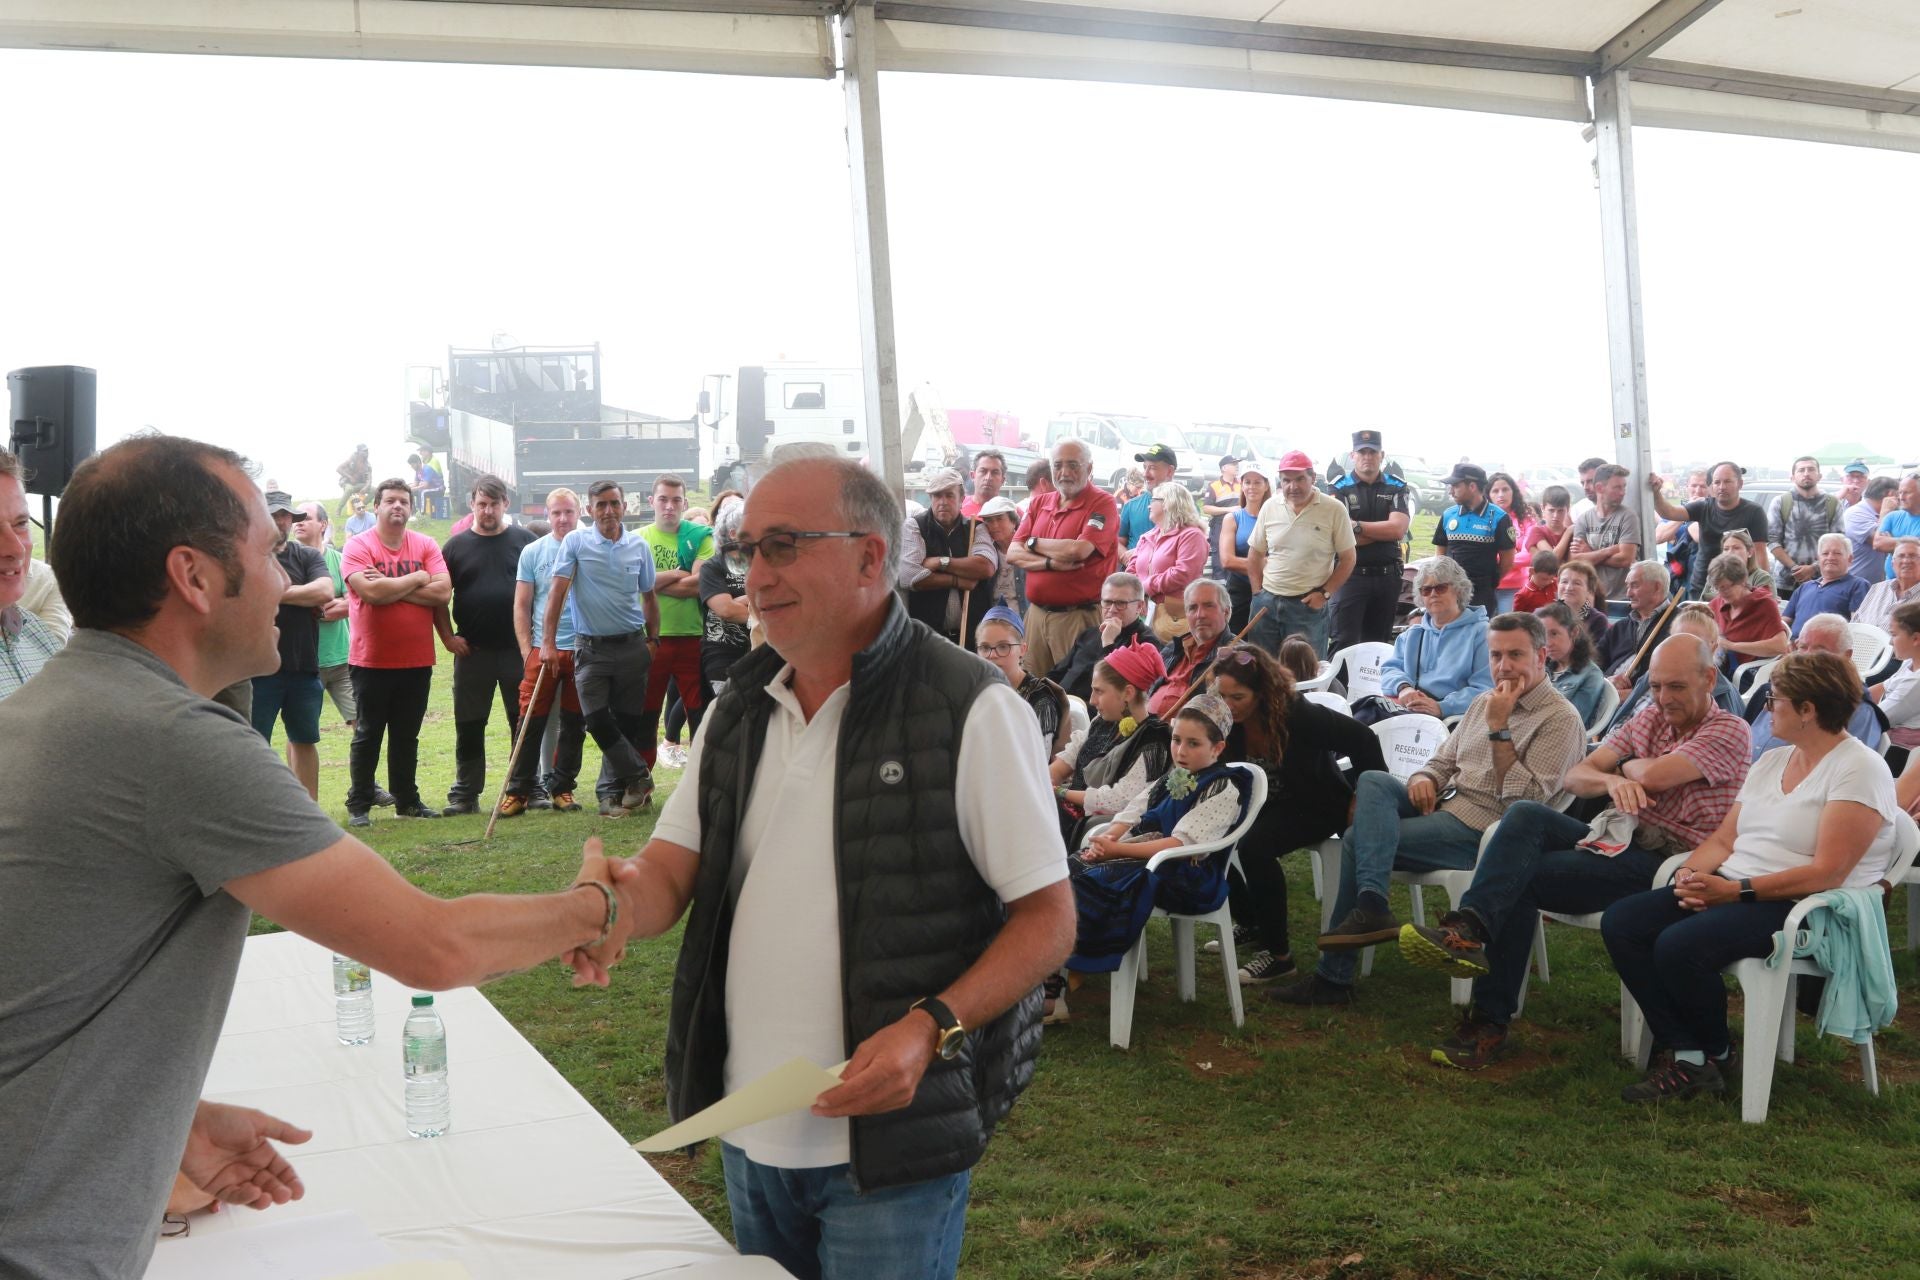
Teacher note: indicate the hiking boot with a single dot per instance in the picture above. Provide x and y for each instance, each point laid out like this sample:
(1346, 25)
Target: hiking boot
(563, 802)
(1473, 1044)
(638, 795)
(382, 798)
(539, 800)
(1361, 927)
(359, 819)
(1675, 1081)
(459, 808)
(512, 806)
(1263, 967)
(415, 810)
(612, 809)
(1312, 990)
(1452, 947)
(1055, 1009)
(1243, 939)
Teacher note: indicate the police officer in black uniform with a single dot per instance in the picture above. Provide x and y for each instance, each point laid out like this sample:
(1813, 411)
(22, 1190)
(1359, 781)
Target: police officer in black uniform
(1377, 505)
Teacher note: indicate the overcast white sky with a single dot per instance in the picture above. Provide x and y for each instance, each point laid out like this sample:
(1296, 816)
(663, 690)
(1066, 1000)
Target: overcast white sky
(251, 251)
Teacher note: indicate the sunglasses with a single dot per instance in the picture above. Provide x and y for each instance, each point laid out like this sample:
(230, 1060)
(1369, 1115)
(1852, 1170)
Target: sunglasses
(1434, 588)
(782, 549)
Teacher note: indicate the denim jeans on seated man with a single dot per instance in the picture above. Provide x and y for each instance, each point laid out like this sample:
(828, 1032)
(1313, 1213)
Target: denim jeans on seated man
(1286, 618)
(1388, 834)
(910, 1232)
(1530, 866)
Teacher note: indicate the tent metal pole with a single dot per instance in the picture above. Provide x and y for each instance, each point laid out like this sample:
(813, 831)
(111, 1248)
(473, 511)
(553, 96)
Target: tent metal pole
(872, 260)
(1620, 258)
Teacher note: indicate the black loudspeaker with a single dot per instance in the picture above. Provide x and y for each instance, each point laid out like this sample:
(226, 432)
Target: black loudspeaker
(52, 423)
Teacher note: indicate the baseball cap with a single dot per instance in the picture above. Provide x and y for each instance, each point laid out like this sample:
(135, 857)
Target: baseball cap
(279, 500)
(1366, 440)
(1467, 471)
(1159, 453)
(998, 507)
(1293, 460)
(1858, 468)
(1229, 458)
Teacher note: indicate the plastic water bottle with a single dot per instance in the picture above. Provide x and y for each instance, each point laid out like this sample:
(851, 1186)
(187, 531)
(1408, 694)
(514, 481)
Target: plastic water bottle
(352, 1000)
(423, 1051)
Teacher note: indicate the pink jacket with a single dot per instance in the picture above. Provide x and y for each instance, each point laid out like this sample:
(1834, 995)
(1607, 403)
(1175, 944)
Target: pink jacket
(1167, 562)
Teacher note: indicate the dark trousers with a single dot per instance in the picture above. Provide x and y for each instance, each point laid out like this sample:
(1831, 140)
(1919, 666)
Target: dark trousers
(392, 702)
(477, 679)
(1260, 901)
(1670, 959)
(1363, 608)
(1531, 866)
(610, 675)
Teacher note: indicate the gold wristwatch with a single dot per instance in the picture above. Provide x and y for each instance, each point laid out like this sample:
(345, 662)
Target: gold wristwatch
(952, 1034)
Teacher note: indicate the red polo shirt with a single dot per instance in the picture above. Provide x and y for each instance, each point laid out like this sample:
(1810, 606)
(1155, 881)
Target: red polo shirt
(1092, 517)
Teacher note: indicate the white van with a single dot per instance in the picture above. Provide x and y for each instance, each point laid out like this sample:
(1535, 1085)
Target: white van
(1116, 437)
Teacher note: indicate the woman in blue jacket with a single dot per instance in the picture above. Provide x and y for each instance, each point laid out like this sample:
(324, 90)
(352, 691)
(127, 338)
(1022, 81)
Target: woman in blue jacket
(1439, 664)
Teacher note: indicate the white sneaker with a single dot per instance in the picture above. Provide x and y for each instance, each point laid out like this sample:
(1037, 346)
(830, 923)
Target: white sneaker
(673, 755)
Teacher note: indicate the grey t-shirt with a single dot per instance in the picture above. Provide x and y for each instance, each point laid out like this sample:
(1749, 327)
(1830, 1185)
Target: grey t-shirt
(130, 801)
(1599, 534)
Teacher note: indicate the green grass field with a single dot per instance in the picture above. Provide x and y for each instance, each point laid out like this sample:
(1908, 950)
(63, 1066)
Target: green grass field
(1301, 1145)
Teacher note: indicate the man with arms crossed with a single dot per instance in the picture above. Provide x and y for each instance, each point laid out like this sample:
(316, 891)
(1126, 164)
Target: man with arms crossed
(861, 843)
(103, 1054)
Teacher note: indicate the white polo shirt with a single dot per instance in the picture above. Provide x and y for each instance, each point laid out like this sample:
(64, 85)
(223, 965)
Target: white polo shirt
(783, 971)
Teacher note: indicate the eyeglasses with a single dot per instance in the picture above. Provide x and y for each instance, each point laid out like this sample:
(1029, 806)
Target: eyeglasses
(995, 650)
(782, 548)
(1116, 604)
(1434, 588)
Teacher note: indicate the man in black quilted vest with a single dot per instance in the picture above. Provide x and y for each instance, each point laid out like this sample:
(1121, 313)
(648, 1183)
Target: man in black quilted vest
(861, 844)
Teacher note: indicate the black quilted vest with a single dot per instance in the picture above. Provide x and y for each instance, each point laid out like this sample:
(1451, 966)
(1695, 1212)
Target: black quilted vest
(914, 914)
(930, 607)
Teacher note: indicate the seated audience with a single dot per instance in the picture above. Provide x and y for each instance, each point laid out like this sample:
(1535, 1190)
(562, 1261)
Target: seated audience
(1623, 653)
(1882, 598)
(1580, 592)
(1188, 657)
(1299, 744)
(1170, 556)
(1898, 696)
(1439, 663)
(1516, 743)
(1835, 590)
(1823, 633)
(1749, 617)
(1814, 817)
(1122, 749)
(1199, 801)
(1693, 619)
(1570, 663)
(1543, 582)
(1123, 608)
(1669, 775)
(1002, 641)
(1298, 657)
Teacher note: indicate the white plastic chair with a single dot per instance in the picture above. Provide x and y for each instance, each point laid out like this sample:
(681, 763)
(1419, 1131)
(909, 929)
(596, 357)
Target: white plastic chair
(1360, 665)
(1749, 676)
(1409, 741)
(1319, 681)
(1769, 997)
(1603, 710)
(1331, 701)
(1077, 713)
(1126, 979)
(1871, 647)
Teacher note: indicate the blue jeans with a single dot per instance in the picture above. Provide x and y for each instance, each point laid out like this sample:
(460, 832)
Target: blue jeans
(813, 1223)
(1285, 618)
(1670, 959)
(1388, 834)
(1531, 866)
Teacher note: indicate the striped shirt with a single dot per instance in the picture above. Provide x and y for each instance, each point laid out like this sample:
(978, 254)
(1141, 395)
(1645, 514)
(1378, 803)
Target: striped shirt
(1717, 747)
(1548, 738)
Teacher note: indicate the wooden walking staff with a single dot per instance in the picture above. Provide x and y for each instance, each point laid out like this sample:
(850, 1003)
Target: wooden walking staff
(519, 742)
(1673, 602)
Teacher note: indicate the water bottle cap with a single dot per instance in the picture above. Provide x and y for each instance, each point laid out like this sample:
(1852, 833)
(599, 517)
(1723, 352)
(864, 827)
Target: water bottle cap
(422, 1002)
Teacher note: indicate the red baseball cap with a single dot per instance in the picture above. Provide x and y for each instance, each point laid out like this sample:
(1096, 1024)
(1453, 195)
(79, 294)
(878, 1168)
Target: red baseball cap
(1293, 460)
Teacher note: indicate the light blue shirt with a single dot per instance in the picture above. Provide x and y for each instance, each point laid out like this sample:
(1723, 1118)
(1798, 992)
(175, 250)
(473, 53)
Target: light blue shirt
(608, 580)
(537, 559)
(1901, 524)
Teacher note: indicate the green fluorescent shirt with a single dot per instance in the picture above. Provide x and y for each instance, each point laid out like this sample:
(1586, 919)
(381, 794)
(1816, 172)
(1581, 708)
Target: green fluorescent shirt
(677, 617)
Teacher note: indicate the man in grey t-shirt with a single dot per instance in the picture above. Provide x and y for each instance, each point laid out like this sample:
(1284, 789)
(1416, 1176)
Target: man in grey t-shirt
(1607, 535)
(121, 924)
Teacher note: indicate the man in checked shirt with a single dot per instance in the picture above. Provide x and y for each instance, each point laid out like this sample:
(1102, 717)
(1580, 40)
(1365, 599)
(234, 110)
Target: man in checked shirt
(1675, 768)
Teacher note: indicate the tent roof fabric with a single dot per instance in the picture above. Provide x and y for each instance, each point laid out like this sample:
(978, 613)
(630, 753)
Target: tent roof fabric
(1844, 71)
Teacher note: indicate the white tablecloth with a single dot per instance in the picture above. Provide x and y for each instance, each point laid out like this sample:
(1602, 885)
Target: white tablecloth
(531, 1182)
